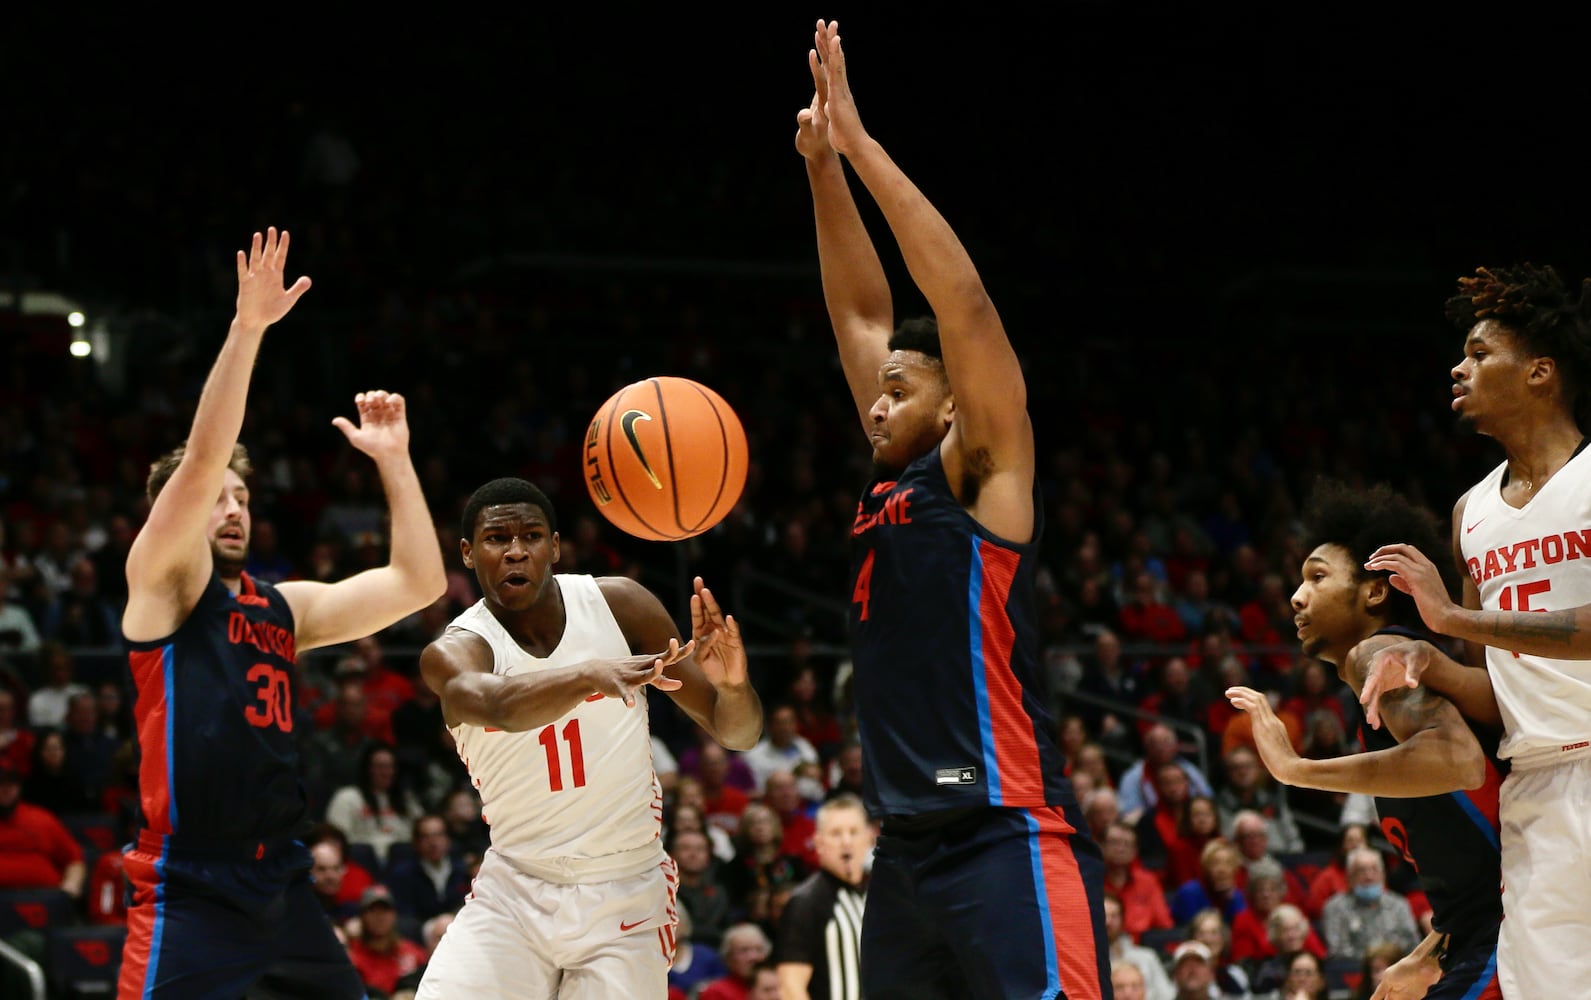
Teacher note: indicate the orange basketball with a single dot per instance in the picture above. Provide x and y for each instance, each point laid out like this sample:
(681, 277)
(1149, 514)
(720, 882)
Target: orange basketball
(665, 458)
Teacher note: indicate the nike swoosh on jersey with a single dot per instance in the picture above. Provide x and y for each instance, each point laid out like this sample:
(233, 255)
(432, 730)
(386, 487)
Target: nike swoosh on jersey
(627, 423)
(623, 927)
(1477, 524)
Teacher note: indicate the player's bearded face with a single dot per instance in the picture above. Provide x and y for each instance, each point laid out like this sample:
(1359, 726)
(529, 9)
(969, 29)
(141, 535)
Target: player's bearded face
(229, 527)
(910, 414)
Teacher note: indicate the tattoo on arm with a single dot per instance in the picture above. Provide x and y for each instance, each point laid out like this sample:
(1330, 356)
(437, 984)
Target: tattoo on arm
(1410, 710)
(1550, 626)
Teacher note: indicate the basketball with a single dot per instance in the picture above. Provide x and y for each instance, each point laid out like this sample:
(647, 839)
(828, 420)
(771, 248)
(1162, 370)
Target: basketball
(665, 458)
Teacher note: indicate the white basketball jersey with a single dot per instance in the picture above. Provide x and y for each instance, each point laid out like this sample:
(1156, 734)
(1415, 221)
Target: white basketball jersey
(565, 796)
(1534, 558)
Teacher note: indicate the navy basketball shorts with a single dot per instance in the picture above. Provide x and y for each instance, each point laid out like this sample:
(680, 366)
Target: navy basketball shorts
(995, 903)
(224, 921)
(1469, 971)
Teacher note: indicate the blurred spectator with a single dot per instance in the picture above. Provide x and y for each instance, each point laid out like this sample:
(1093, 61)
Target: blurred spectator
(54, 563)
(16, 742)
(737, 773)
(1252, 837)
(1306, 978)
(1198, 824)
(795, 818)
(1378, 958)
(18, 632)
(700, 890)
(744, 947)
(723, 803)
(1215, 887)
(338, 882)
(1180, 696)
(266, 560)
(79, 616)
(1154, 984)
(115, 715)
(386, 690)
(1143, 901)
(1136, 788)
(88, 749)
(53, 783)
(1249, 788)
(761, 866)
(1317, 690)
(845, 772)
(814, 718)
(1145, 615)
(688, 815)
(1100, 810)
(331, 753)
(466, 830)
(36, 851)
(781, 748)
(1209, 929)
(1160, 827)
(1368, 913)
(378, 809)
(1127, 983)
(1289, 932)
(694, 963)
(1267, 889)
(1332, 878)
(110, 561)
(379, 952)
(434, 879)
(1107, 676)
(47, 704)
(1192, 971)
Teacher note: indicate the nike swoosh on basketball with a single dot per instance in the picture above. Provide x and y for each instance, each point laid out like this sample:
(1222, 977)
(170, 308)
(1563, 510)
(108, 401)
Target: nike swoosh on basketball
(627, 422)
(1477, 524)
(629, 927)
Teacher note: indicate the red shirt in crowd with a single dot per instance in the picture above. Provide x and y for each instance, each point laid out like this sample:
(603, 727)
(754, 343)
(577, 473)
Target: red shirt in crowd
(382, 970)
(35, 849)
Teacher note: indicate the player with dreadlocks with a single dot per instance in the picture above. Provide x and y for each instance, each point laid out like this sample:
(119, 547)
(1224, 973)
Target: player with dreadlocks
(1434, 775)
(1524, 535)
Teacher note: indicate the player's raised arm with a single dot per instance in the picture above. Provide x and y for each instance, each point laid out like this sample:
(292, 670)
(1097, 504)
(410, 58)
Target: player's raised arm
(991, 434)
(854, 286)
(413, 577)
(713, 686)
(458, 665)
(170, 562)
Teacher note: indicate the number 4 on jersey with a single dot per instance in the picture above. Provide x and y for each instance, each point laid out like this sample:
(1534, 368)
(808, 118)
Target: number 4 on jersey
(862, 592)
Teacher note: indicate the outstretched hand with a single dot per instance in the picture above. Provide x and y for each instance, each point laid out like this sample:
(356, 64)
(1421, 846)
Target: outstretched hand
(262, 300)
(719, 651)
(383, 430)
(1400, 664)
(1415, 575)
(1270, 735)
(845, 131)
(1411, 977)
(624, 678)
(812, 122)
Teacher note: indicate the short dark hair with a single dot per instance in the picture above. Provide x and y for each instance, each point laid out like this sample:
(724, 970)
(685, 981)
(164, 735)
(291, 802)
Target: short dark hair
(161, 469)
(1363, 520)
(501, 491)
(920, 334)
(1549, 318)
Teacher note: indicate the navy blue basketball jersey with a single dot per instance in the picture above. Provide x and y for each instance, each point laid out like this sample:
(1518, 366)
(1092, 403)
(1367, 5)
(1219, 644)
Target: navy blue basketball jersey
(213, 710)
(1452, 840)
(951, 712)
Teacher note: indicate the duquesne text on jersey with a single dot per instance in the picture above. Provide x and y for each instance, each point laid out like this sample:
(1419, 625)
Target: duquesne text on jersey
(264, 636)
(1524, 555)
(896, 510)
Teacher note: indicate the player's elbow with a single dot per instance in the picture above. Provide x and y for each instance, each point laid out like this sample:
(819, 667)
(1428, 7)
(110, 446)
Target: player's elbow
(1471, 768)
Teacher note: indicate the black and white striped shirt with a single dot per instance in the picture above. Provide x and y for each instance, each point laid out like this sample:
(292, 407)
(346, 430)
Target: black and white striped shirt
(822, 927)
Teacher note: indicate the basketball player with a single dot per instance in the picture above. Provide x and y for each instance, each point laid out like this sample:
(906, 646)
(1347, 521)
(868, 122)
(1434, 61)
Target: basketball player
(983, 883)
(1522, 534)
(222, 903)
(1435, 776)
(543, 687)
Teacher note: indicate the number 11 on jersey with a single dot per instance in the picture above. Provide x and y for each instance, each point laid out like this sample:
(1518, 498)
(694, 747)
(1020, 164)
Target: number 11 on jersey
(548, 738)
